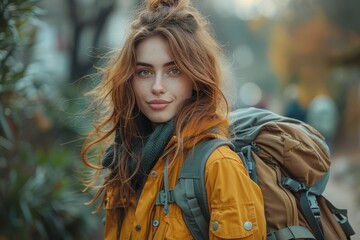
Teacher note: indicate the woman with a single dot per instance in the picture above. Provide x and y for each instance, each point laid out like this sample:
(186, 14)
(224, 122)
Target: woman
(159, 97)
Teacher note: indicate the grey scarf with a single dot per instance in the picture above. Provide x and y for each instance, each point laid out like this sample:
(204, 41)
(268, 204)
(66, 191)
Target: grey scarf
(150, 150)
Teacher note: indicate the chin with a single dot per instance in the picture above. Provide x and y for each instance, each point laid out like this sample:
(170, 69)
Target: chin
(159, 120)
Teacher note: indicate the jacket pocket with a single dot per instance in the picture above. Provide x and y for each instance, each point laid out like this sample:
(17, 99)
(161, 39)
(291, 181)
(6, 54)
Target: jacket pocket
(161, 231)
(110, 224)
(234, 223)
(114, 208)
(173, 227)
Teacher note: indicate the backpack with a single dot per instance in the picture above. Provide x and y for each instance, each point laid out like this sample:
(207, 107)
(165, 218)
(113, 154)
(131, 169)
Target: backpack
(290, 162)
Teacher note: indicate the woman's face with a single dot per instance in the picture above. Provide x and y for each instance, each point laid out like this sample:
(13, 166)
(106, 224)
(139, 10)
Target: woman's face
(160, 87)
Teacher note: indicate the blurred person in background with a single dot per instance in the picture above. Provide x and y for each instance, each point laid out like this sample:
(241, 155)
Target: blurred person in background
(323, 115)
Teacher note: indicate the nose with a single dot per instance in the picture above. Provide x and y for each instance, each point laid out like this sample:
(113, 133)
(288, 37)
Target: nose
(158, 85)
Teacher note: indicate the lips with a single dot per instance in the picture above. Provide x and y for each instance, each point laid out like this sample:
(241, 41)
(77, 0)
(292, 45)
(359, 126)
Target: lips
(158, 104)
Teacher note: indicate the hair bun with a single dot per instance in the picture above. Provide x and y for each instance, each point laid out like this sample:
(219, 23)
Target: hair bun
(153, 5)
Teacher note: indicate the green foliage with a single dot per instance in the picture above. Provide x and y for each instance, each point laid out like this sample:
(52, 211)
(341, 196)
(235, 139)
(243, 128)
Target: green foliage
(17, 34)
(40, 198)
(17, 31)
(40, 190)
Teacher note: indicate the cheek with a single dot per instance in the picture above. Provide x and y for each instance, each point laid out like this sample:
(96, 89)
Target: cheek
(186, 89)
(138, 93)
(138, 88)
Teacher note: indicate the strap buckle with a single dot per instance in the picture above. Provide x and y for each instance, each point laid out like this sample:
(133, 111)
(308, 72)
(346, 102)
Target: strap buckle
(164, 197)
(314, 205)
(248, 160)
(293, 185)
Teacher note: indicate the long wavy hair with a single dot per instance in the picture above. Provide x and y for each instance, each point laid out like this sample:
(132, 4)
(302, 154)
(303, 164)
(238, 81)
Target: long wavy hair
(195, 52)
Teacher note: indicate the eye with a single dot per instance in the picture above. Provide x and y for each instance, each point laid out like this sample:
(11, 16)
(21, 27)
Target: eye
(143, 73)
(174, 72)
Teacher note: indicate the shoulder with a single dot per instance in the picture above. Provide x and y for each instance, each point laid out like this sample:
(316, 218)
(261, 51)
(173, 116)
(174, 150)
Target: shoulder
(224, 157)
(227, 181)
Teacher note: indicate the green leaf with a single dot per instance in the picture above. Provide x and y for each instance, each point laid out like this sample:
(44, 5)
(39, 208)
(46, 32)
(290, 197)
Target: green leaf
(26, 213)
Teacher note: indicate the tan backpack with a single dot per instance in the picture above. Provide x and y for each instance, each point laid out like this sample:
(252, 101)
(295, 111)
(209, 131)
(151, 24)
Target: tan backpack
(290, 162)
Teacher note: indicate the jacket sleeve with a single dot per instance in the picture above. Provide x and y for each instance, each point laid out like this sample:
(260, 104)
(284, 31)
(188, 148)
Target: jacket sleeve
(235, 201)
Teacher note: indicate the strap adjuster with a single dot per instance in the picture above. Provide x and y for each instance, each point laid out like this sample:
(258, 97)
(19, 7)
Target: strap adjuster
(293, 185)
(314, 205)
(164, 197)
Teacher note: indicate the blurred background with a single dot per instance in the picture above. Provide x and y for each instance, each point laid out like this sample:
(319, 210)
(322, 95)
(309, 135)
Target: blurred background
(299, 58)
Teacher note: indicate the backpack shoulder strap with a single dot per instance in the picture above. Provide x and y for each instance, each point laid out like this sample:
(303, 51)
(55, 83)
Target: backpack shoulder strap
(190, 192)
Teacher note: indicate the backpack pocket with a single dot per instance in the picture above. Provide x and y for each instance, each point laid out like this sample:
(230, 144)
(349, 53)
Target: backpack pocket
(280, 204)
(296, 150)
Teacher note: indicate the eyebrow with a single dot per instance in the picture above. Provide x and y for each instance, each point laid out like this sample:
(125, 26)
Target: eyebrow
(150, 65)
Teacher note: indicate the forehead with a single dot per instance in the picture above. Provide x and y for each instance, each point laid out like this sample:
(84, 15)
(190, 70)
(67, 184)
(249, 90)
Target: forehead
(152, 49)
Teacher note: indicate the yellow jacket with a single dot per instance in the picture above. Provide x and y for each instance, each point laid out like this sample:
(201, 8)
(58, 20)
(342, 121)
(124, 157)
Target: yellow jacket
(235, 204)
